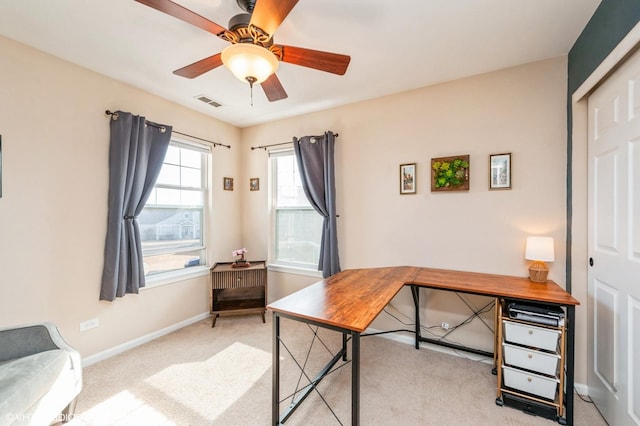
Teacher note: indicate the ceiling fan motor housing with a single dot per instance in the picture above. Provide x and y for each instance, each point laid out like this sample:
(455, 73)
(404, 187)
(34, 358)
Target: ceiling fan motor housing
(240, 20)
(246, 5)
(240, 31)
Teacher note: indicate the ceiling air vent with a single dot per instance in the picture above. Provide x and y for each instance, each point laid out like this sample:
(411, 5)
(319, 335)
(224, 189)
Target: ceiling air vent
(208, 100)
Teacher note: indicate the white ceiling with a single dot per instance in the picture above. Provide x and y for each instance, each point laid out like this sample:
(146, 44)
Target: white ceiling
(395, 45)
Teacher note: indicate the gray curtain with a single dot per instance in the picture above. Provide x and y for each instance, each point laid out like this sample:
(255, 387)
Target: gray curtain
(315, 158)
(136, 153)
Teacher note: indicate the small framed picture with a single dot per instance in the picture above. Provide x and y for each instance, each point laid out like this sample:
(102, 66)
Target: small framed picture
(408, 178)
(254, 184)
(227, 184)
(500, 171)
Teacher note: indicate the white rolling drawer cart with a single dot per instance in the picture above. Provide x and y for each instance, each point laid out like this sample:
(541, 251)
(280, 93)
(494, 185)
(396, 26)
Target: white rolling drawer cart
(530, 363)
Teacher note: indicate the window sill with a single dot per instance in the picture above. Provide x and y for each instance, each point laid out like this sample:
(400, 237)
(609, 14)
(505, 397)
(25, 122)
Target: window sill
(274, 267)
(175, 276)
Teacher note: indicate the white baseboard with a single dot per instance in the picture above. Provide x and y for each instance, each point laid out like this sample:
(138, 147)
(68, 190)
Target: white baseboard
(580, 388)
(101, 356)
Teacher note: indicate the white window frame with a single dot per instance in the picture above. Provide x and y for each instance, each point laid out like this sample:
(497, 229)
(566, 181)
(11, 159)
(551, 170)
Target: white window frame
(273, 263)
(184, 274)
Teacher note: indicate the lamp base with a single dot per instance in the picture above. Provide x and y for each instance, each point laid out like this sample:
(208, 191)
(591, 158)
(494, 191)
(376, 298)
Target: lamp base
(538, 272)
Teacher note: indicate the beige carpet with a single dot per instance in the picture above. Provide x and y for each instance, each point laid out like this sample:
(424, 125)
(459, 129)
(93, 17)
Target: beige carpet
(222, 376)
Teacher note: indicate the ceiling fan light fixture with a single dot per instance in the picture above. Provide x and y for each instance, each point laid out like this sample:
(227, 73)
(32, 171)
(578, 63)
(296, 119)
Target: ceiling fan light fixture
(249, 62)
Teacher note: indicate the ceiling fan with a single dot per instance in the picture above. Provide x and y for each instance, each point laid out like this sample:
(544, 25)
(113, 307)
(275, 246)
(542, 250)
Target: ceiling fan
(251, 38)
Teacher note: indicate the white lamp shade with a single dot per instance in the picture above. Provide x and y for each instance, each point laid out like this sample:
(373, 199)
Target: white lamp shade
(249, 60)
(539, 248)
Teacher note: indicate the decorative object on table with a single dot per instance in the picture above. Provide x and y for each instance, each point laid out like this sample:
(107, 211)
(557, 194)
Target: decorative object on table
(242, 262)
(539, 250)
(254, 184)
(408, 178)
(500, 171)
(227, 184)
(450, 173)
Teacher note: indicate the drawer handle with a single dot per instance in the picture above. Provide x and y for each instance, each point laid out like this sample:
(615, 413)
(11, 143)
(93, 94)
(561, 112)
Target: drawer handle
(530, 331)
(530, 356)
(529, 379)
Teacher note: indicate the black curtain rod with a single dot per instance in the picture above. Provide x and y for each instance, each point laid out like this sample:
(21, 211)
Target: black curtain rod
(175, 131)
(283, 143)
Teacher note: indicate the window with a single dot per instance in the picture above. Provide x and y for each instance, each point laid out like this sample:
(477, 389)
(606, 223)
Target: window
(296, 226)
(172, 221)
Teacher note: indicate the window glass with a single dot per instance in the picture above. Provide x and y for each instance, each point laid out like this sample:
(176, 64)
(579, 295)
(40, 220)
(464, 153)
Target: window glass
(172, 221)
(169, 175)
(297, 227)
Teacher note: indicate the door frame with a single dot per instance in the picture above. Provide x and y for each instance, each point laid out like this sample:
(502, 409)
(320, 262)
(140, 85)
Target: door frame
(578, 196)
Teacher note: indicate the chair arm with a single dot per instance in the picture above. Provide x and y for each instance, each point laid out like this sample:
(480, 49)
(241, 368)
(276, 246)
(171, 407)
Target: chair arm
(25, 340)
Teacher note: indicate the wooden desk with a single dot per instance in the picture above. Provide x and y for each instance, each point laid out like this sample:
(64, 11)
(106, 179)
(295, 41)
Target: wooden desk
(494, 285)
(349, 301)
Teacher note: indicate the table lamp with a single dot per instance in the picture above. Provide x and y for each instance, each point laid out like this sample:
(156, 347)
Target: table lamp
(540, 250)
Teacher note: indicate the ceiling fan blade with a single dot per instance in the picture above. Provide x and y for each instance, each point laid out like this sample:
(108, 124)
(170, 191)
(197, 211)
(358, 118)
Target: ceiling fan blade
(269, 14)
(184, 14)
(323, 61)
(273, 89)
(198, 68)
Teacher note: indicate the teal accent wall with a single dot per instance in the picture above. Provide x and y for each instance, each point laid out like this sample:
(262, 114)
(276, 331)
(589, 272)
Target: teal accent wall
(610, 23)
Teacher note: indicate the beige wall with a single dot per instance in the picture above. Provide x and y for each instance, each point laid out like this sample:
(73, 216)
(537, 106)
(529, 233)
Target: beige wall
(521, 110)
(53, 210)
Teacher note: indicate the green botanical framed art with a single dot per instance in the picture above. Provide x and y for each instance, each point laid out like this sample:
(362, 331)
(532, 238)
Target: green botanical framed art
(450, 173)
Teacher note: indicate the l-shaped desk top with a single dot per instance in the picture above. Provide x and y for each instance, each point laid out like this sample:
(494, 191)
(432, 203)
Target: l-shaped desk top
(353, 298)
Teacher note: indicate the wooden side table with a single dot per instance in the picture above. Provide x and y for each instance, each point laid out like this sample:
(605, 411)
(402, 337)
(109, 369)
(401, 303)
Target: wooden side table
(238, 290)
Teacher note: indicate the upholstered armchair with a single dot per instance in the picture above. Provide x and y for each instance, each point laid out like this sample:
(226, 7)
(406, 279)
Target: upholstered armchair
(40, 375)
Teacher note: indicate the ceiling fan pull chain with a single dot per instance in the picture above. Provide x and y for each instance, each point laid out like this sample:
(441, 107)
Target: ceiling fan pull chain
(251, 80)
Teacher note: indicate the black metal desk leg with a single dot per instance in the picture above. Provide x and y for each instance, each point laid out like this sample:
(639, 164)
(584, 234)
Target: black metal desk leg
(571, 335)
(355, 379)
(275, 390)
(344, 346)
(415, 292)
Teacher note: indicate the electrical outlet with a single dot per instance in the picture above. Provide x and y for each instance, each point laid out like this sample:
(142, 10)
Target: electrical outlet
(445, 325)
(89, 324)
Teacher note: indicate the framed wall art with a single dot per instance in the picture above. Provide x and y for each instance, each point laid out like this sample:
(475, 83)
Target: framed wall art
(227, 184)
(450, 173)
(500, 171)
(408, 178)
(254, 184)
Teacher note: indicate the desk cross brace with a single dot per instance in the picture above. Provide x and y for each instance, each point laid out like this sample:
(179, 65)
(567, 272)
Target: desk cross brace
(415, 292)
(299, 395)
